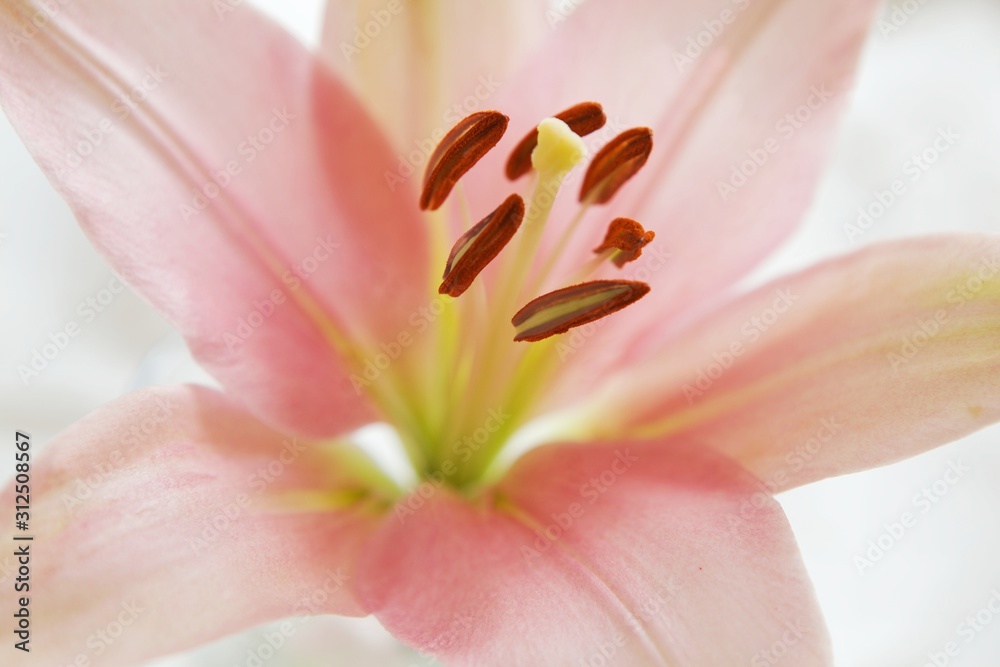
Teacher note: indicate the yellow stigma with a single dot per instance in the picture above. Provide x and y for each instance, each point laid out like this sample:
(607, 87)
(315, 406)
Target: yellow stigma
(559, 149)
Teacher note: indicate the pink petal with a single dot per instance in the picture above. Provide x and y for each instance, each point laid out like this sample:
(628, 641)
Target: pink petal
(422, 67)
(772, 95)
(308, 222)
(160, 513)
(878, 356)
(656, 555)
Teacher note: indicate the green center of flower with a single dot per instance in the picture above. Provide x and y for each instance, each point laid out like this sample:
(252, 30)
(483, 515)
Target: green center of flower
(478, 382)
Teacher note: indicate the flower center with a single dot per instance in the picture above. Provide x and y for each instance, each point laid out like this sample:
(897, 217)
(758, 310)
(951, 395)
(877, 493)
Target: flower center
(492, 356)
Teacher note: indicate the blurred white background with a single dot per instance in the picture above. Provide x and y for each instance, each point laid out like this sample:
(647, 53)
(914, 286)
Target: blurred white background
(940, 69)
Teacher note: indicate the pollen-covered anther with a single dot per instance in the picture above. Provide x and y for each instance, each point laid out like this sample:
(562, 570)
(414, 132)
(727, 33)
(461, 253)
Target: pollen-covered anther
(583, 119)
(615, 164)
(476, 248)
(558, 312)
(627, 238)
(472, 138)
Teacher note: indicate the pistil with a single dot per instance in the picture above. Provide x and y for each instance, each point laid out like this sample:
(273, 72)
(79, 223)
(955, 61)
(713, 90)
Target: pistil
(583, 119)
(557, 151)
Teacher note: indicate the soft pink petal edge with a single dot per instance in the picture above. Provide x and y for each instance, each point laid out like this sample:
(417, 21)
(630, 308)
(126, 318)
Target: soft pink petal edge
(232, 181)
(858, 362)
(158, 526)
(606, 553)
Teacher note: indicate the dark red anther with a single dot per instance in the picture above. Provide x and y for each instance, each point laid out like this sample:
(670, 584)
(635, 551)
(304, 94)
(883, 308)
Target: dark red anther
(458, 152)
(558, 312)
(476, 248)
(615, 164)
(628, 237)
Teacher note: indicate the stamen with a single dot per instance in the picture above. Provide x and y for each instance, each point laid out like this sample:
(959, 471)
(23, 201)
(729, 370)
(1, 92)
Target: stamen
(614, 164)
(476, 248)
(582, 118)
(627, 238)
(558, 312)
(458, 152)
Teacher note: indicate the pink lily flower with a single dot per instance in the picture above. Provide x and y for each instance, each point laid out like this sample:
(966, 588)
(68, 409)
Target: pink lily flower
(267, 204)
